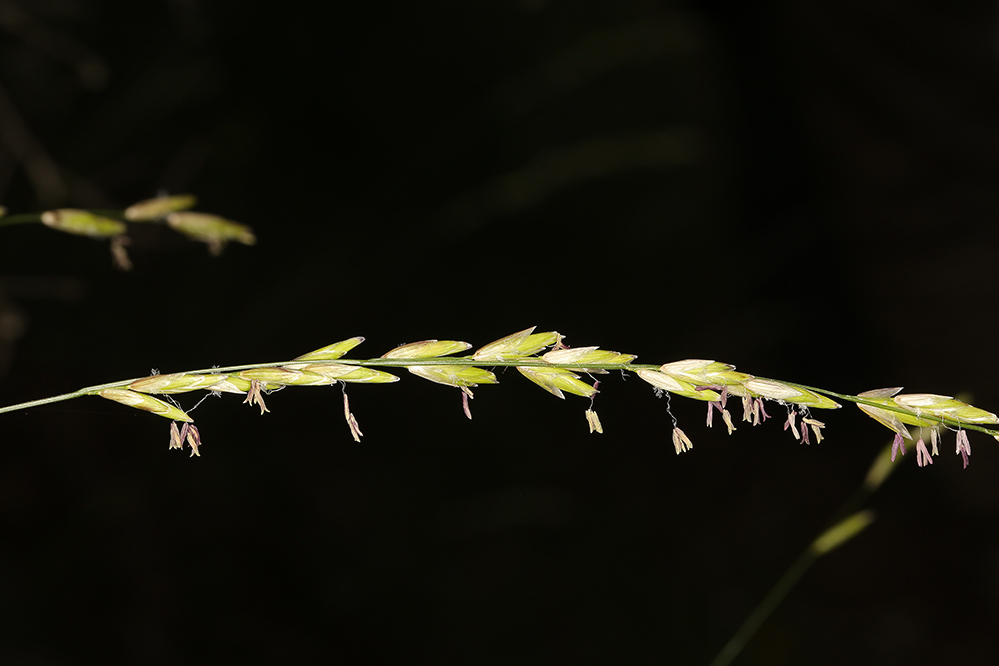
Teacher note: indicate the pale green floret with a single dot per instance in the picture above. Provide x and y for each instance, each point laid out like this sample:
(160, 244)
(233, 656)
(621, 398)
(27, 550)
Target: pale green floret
(945, 407)
(538, 341)
(331, 352)
(701, 372)
(229, 385)
(211, 229)
(584, 355)
(346, 373)
(454, 375)
(146, 403)
(232, 384)
(517, 345)
(175, 383)
(160, 207)
(890, 420)
(671, 384)
(774, 390)
(427, 349)
(83, 223)
(285, 377)
(894, 421)
(556, 380)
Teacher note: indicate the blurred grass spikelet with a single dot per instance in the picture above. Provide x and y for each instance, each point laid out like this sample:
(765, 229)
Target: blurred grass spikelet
(213, 230)
(83, 223)
(157, 208)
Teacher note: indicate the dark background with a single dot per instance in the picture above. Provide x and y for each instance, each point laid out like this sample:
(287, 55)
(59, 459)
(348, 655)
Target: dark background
(806, 190)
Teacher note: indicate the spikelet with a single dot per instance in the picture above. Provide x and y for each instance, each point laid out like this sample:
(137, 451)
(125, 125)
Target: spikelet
(670, 383)
(889, 419)
(518, 345)
(557, 380)
(454, 375)
(582, 356)
(145, 402)
(83, 223)
(331, 352)
(346, 373)
(212, 230)
(700, 372)
(175, 383)
(427, 349)
(285, 377)
(780, 391)
(944, 406)
(159, 207)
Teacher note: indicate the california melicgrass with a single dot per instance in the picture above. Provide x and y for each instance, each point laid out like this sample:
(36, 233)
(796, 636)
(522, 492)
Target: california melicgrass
(212, 230)
(557, 370)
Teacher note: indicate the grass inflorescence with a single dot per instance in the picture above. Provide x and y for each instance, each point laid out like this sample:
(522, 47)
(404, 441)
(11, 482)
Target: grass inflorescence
(111, 225)
(546, 360)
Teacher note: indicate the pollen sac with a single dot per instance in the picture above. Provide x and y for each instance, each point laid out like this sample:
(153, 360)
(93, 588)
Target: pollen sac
(671, 384)
(331, 352)
(158, 208)
(427, 349)
(83, 223)
(145, 402)
(594, 422)
(518, 345)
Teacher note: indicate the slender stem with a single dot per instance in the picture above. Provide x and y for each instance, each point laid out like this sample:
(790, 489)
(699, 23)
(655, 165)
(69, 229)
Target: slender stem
(24, 218)
(766, 608)
(797, 569)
